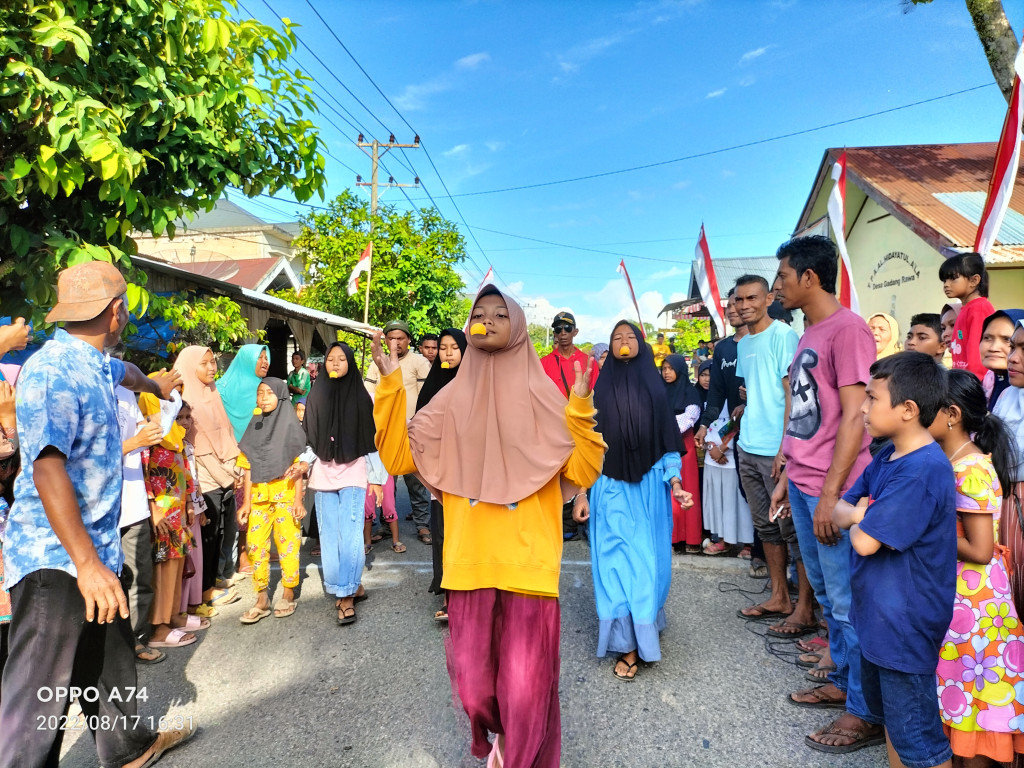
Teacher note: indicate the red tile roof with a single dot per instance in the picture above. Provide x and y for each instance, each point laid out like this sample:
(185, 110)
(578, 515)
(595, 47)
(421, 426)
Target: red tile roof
(905, 179)
(245, 273)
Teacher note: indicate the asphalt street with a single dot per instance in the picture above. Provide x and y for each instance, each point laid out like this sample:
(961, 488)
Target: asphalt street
(304, 692)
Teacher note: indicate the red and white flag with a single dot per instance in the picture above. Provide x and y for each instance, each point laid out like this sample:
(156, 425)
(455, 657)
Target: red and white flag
(488, 278)
(621, 269)
(707, 283)
(1004, 173)
(363, 265)
(837, 219)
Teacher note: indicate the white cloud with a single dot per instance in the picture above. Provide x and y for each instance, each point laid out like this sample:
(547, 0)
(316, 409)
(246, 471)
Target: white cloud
(494, 146)
(472, 61)
(570, 61)
(458, 149)
(757, 53)
(415, 96)
(747, 81)
(597, 312)
(716, 94)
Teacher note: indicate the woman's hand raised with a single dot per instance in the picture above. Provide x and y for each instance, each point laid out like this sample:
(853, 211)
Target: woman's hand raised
(386, 364)
(582, 386)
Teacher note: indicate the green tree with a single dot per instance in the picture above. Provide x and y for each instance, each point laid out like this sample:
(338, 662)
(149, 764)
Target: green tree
(996, 36)
(216, 322)
(689, 332)
(413, 274)
(125, 115)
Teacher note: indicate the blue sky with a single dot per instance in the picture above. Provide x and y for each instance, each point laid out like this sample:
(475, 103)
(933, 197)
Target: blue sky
(507, 94)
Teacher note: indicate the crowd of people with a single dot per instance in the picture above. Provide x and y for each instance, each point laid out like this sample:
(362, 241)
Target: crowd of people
(868, 480)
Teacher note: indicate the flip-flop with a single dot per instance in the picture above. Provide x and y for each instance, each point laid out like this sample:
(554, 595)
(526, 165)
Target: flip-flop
(175, 639)
(398, 547)
(441, 616)
(140, 659)
(799, 630)
(345, 618)
(626, 678)
(174, 739)
(360, 598)
(762, 614)
(284, 609)
(820, 700)
(808, 660)
(814, 645)
(861, 739)
(206, 611)
(809, 674)
(226, 597)
(261, 613)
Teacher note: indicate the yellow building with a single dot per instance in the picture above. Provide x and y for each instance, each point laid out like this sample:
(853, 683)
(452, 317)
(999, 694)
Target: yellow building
(907, 209)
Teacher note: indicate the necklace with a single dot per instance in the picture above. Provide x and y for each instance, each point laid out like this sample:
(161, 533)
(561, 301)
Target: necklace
(957, 451)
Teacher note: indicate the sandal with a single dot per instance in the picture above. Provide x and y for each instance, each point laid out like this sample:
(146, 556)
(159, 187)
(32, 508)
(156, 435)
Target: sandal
(868, 736)
(814, 645)
(176, 638)
(789, 630)
(819, 699)
(744, 553)
(758, 571)
(206, 611)
(315, 551)
(761, 614)
(146, 655)
(441, 616)
(377, 537)
(716, 548)
(254, 615)
(226, 597)
(693, 549)
(367, 549)
(284, 608)
(630, 668)
(808, 660)
(359, 597)
(424, 535)
(194, 623)
(346, 616)
(398, 547)
(823, 677)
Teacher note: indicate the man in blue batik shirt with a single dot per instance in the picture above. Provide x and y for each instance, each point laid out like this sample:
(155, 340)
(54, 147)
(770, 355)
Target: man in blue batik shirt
(62, 550)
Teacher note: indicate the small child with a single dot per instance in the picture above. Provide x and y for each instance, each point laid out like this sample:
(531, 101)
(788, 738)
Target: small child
(271, 460)
(192, 583)
(925, 335)
(964, 277)
(981, 696)
(169, 488)
(901, 513)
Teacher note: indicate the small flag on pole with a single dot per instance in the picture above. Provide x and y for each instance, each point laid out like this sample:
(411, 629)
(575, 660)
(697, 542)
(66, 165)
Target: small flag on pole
(707, 283)
(621, 269)
(363, 265)
(1004, 173)
(837, 219)
(488, 278)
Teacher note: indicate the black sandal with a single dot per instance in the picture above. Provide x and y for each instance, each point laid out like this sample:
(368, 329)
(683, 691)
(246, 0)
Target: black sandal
(626, 678)
(348, 616)
(424, 537)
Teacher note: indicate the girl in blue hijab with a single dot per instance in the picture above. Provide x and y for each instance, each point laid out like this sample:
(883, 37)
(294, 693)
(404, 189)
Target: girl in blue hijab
(238, 385)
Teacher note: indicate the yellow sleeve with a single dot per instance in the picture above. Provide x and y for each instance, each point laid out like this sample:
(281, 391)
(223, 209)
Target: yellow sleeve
(242, 462)
(584, 465)
(392, 432)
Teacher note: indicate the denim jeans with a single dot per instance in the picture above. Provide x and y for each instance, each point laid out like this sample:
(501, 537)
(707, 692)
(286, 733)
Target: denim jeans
(828, 570)
(341, 539)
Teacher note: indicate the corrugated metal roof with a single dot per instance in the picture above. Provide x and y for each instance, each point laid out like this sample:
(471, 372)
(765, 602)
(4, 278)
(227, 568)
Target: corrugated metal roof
(971, 205)
(245, 273)
(911, 179)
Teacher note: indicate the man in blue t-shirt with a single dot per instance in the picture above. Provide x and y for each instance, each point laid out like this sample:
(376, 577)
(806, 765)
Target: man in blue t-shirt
(901, 514)
(70, 623)
(763, 358)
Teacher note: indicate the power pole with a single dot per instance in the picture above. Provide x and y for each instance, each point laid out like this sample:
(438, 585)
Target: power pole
(375, 154)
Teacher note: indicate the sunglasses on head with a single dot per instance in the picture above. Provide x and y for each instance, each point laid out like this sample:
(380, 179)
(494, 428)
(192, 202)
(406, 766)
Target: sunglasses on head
(563, 328)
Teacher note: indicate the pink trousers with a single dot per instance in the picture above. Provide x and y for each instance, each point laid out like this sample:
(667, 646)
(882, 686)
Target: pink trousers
(504, 662)
(389, 511)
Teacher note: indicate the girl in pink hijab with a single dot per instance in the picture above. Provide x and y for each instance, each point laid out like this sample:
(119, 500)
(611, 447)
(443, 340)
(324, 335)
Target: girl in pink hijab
(497, 445)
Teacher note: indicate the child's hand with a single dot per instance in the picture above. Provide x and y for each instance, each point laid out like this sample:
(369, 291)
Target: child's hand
(581, 508)
(298, 511)
(163, 527)
(685, 498)
(296, 471)
(582, 386)
(203, 520)
(378, 494)
(190, 516)
(150, 433)
(243, 515)
(166, 381)
(386, 364)
(8, 411)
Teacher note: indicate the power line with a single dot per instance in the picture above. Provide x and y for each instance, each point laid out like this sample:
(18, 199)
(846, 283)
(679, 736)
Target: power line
(580, 247)
(721, 150)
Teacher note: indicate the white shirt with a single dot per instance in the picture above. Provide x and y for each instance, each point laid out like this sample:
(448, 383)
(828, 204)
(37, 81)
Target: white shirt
(134, 502)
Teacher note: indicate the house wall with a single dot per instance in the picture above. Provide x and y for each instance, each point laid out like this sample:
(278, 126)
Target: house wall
(1006, 287)
(894, 270)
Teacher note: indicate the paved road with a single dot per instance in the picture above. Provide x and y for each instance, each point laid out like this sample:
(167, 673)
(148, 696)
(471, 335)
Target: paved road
(305, 692)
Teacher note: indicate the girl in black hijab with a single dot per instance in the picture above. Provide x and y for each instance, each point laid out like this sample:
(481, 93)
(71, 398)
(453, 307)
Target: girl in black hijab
(451, 347)
(686, 403)
(271, 449)
(631, 528)
(340, 429)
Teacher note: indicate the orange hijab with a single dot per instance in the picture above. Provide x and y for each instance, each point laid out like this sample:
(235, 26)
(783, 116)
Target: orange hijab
(497, 432)
(211, 429)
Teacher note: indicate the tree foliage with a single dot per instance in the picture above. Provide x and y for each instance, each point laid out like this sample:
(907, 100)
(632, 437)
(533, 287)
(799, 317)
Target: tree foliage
(215, 322)
(124, 115)
(689, 332)
(413, 266)
(996, 36)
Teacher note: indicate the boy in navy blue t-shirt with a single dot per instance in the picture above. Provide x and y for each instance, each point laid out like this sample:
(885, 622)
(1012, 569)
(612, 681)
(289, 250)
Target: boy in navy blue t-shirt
(901, 513)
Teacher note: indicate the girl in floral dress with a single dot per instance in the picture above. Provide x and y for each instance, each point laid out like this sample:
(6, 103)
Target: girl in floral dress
(169, 488)
(981, 663)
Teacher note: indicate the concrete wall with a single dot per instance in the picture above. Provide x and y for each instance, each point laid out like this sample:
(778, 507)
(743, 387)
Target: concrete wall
(894, 270)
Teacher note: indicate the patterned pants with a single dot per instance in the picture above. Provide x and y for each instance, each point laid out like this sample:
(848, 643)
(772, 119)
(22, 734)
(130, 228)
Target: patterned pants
(273, 517)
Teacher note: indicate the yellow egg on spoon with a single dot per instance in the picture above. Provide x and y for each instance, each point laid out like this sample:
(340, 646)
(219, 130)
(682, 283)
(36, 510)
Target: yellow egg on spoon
(332, 374)
(445, 364)
(477, 329)
(623, 350)
(257, 411)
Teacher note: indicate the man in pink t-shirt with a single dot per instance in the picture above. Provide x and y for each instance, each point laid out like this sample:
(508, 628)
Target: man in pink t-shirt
(826, 449)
